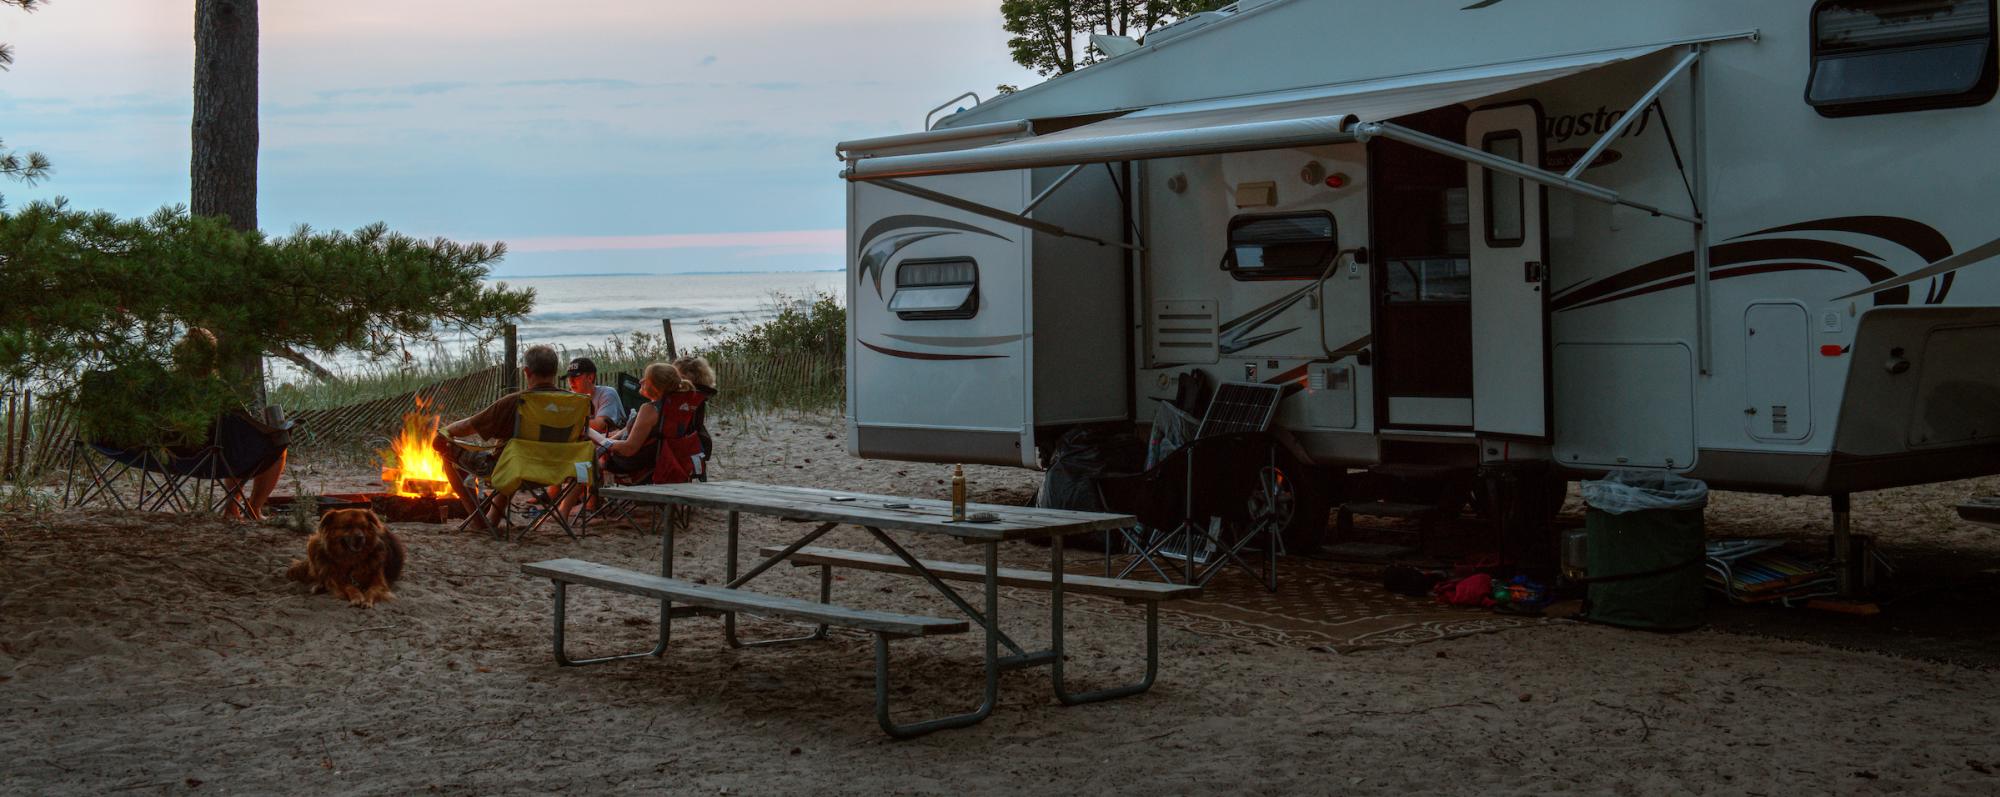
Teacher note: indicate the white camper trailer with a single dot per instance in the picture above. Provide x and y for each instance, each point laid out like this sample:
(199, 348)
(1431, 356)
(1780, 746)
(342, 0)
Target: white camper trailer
(1745, 241)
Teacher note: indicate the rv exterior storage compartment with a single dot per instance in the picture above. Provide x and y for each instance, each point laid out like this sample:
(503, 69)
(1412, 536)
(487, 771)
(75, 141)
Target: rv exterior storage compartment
(968, 334)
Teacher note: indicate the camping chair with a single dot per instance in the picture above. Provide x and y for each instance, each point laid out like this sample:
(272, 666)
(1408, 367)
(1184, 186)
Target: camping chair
(629, 396)
(543, 460)
(211, 473)
(1245, 496)
(679, 459)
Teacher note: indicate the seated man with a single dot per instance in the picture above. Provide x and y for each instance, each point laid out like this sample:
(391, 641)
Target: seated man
(496, 424)
(609, 413)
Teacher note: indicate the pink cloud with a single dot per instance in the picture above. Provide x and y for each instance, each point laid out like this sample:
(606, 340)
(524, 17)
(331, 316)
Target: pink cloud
(801, 241)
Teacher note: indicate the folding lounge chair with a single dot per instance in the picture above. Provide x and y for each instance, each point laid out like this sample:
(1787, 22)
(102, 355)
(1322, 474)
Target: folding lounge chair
(543, 460)
(1209, 501)
(182, 478)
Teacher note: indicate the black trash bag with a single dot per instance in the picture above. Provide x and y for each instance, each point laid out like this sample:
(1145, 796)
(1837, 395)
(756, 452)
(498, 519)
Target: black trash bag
(1083, 455)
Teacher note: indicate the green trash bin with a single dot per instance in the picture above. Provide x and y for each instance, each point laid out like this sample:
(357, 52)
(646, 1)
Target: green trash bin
(1645, 546)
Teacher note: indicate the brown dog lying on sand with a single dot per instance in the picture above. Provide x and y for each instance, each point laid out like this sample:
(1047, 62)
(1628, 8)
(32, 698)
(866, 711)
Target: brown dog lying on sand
(353, 555)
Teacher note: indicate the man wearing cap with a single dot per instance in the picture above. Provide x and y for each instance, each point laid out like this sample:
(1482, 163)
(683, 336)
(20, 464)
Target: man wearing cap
(610, 412)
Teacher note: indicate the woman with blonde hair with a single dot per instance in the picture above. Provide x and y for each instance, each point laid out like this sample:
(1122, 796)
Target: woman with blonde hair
(698, 371)
(634, 450)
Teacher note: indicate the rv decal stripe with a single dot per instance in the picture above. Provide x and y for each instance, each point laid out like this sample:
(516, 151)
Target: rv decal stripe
(891, 223)
(1681, 267)
(934, 340)
(1717, 274)
(918, 355)
(1910, 234)
(1943, 267)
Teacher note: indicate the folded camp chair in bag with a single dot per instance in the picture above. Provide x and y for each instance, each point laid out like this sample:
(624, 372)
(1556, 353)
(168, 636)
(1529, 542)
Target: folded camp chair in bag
(543, 460)
(211, 473)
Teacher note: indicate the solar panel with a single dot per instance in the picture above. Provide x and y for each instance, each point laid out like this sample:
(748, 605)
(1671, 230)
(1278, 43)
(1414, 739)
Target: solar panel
(1241, 407)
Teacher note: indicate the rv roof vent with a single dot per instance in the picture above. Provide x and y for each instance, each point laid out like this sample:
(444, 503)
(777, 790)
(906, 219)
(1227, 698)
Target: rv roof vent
(1184, 26)
(1184, 331)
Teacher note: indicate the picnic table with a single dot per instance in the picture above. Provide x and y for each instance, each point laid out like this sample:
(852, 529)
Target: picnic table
(879, 515)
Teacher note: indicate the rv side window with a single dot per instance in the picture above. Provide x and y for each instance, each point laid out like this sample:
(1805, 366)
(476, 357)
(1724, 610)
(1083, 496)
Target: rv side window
(1885, 56)
(1281, 246)
(930, 289)
(1505, 193)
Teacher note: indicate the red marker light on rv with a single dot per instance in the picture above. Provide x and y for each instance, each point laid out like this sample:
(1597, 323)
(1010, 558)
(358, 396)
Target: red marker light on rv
(1336, 180)
(1832, 350)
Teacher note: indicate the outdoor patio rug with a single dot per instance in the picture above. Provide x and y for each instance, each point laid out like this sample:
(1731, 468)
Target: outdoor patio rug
(1318, 606)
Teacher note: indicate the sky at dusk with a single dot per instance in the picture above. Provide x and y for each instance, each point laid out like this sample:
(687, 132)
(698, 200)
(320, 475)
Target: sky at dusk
(593, 137)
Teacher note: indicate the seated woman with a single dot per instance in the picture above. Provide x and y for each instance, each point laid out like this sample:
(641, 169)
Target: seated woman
(630, 454)
(636, 448)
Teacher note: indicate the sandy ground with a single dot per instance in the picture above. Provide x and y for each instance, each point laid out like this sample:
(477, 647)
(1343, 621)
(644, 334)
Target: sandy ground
(161, 654)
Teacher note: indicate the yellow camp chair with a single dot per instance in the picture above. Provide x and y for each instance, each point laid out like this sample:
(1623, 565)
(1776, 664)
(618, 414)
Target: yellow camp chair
(548, 456)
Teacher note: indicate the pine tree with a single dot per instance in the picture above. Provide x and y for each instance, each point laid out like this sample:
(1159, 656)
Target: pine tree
(23, 166)
(223, 173)
(1052, 37)
(104, 295)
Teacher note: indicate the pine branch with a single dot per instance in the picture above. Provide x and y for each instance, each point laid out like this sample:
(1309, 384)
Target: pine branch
(301, 360)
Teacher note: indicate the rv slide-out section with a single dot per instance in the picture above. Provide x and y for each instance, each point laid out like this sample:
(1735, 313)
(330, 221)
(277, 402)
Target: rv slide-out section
(967, 333)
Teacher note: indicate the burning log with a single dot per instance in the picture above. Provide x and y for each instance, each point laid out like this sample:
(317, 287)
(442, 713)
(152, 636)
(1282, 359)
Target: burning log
(411, 467)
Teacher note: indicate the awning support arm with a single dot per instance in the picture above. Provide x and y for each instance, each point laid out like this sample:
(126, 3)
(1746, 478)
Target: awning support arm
(1051, 190)
(1364, 132)
(1631, 116)
(990, 212)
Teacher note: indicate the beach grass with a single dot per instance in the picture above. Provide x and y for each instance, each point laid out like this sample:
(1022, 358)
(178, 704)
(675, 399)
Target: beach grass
(794, 361)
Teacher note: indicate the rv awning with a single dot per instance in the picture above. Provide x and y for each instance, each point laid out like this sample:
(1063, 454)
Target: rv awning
(1277, 120)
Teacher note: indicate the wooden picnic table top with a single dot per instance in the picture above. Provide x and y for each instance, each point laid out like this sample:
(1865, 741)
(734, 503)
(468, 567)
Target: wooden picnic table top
(916, 514)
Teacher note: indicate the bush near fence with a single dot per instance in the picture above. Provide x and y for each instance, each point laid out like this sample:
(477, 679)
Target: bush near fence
(792, 362)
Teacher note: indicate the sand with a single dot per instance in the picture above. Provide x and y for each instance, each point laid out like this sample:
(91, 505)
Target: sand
(158, 654)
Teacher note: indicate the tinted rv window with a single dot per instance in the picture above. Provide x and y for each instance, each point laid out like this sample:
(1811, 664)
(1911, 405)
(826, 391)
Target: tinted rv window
(1883, 56)
(1505, 194)
(927, 289)
(1283, 246)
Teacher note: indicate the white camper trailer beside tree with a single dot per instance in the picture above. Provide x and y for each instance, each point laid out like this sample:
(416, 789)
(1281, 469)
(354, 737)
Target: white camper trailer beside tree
(1748, 242)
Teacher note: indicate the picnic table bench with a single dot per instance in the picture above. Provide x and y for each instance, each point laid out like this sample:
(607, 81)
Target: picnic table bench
(878, 515)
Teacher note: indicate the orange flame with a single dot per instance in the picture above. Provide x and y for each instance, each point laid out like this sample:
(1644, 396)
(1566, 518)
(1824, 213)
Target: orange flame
(411, 466)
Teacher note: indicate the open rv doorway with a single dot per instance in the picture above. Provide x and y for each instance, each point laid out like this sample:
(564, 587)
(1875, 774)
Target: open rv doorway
(1422, 254)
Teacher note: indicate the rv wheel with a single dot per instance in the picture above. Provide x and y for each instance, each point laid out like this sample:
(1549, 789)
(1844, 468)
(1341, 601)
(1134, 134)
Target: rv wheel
(1273, 500)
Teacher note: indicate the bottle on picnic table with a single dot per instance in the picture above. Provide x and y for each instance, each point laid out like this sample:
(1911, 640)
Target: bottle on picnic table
(958, 493)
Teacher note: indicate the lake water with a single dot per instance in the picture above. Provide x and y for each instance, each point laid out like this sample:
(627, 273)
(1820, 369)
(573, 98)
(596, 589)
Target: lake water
(573, 312)
(585, 311)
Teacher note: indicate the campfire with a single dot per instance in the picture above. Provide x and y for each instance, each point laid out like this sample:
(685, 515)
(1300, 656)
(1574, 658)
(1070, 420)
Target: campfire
(411, 467)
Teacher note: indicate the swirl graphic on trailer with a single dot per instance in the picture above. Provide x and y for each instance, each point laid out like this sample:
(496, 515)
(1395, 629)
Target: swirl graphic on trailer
(879, 246)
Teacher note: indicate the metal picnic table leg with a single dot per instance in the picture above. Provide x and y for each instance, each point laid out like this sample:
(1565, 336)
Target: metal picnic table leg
(991, 694)
(1056, 639)
(1021, 656)
(729, 576)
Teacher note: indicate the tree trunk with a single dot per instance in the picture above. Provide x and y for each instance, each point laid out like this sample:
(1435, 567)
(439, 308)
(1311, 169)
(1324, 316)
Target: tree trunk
(223, 174)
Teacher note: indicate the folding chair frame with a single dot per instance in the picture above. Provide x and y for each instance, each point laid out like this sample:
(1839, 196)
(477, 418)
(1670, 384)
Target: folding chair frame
(1189, 533)
(157, 490)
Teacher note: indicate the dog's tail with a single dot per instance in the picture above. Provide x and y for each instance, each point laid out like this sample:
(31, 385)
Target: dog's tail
(392, 566)
(300, 571)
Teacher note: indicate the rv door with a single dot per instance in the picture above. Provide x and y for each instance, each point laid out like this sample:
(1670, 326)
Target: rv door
(938, 316)
(1510, 317)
